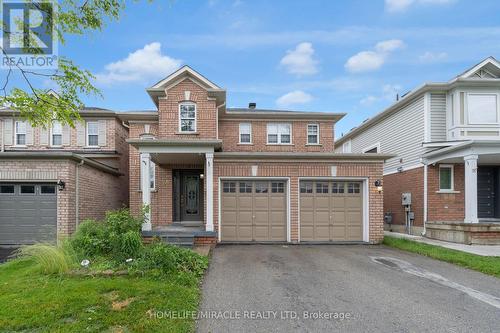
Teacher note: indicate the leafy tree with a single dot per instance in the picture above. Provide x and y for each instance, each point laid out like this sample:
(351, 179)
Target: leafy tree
(40, 106)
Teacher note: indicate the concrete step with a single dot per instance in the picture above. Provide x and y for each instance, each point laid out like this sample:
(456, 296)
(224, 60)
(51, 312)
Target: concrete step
(189, 224)
(185, 240)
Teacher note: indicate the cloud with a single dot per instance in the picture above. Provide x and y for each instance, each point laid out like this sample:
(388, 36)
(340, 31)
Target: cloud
(300, 61)
(397, 6)
(366, 61)
(430, 57)
(140, 65)
(293, 98)
(388, 93)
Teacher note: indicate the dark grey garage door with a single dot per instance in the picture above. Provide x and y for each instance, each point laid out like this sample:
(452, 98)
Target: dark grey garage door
(28, 213)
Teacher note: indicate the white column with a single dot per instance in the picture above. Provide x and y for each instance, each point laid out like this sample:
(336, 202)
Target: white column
(146, 192)
(209, 187)
(471, 189)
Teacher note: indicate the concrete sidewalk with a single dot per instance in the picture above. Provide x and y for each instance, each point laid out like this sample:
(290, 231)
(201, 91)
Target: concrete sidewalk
(482, 250)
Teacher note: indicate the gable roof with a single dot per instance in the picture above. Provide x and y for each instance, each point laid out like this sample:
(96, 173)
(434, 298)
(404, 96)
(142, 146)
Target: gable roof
(158, 89)
(490, 65)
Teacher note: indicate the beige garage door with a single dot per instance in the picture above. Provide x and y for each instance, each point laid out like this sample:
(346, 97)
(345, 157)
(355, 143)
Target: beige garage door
(253, 211)
(331, 211)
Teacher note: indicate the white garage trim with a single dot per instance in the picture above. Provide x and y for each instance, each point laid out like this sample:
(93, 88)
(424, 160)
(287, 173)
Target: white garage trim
(287, 179)
(366, 202)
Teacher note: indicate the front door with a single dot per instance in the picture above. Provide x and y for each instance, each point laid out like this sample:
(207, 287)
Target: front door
(486, 192)
(191, 207)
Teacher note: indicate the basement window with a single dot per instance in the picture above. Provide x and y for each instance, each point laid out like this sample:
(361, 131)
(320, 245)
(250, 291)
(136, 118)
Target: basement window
(446, 177)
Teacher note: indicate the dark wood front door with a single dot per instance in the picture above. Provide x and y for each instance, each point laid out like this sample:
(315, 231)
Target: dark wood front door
(191, 208)
(487, 191)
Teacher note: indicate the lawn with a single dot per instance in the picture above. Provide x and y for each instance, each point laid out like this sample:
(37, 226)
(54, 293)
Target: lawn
(486, 265)
(31, 301)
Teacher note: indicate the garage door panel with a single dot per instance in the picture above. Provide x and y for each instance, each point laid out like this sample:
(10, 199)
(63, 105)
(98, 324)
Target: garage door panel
(229, 202)
(333, 216)
(277, 217)
(277, 202)
(261, 203)
(245, 202)
(245, 233)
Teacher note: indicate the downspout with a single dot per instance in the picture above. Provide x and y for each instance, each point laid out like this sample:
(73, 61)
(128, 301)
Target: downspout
(217, 120)
(125, 125)
(77, 195)
(425, 197)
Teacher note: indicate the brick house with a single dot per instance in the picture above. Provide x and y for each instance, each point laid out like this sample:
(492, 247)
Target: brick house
(208, 173)
(53, 178)
(446, 141)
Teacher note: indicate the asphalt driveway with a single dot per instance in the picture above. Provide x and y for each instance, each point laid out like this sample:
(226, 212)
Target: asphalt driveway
(325, 288)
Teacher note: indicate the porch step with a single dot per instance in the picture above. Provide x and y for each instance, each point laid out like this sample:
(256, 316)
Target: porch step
(179, 239)
(189, 224)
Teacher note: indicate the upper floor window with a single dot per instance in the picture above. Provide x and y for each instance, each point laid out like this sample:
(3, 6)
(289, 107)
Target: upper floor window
(187, 117)
(373, 149)
(56, 135)
(20, 133)
(346, 147)
(92, 133)
(279, 133)
(312, 134)
(245, 133)
(482, 108)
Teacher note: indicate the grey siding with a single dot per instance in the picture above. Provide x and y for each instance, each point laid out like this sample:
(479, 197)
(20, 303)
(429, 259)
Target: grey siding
(400, 134)
(438, 117)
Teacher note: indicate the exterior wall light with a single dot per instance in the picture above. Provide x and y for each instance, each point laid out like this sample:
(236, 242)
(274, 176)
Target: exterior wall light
(378, 184)
(202, 176)
(61, 185)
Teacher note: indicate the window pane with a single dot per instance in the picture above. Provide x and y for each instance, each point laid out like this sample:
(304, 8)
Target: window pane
(245, 187)
(312, 139)
(152, 170)
(272, 128)
(27, 189)
(245, 138)
(7, 189)
(56, 127)
(338, 187)
(278, 187)
(21, 139)
(56, 139)
(482, 108)
(353, 188)
(445, 178)
(229, 187)
(285, 128)
(21, 127)
(272, 138)
(47, 189)
(245, 128)
(285, 138)
(93, 140)
(306, 187)
(92, 128)
(187, 125)
(321, 187)
(261, 187)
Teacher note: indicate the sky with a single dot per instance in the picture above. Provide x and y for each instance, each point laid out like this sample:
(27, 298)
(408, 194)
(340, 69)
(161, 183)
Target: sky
(337, 56)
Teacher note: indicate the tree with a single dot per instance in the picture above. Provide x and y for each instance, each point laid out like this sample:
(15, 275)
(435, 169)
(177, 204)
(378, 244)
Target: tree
(37, 105)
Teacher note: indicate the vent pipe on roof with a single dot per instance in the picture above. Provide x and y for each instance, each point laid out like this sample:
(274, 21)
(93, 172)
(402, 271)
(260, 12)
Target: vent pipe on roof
(252, 105)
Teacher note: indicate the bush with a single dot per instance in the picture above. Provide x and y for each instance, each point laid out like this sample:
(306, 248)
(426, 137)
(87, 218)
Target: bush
(50, 259)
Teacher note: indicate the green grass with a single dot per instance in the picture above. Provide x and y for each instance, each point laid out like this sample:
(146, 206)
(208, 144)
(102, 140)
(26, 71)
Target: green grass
(32, 301)
(486, 265)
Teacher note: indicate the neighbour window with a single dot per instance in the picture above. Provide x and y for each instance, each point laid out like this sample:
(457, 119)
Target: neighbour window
(6, 189)
(312, 134)
(346, 147)
(306, 187)
(278, 187)
(353, 188)
(245, 133)
(338, 187)
(279, 133)
(92, 133)
(482, 108)
(445, 177)
(56, 137)
(20, 133)
(229, 187)
(187, 117)
(245, 187)
(373, 149)
(261, 187)
(321, 187)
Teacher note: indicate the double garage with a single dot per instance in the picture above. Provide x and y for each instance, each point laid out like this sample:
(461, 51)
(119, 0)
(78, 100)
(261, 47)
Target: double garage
(28, 213)
(329, 210)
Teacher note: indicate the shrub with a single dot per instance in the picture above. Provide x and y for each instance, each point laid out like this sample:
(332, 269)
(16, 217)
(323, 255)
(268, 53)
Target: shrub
(50, 259)
(90, 239)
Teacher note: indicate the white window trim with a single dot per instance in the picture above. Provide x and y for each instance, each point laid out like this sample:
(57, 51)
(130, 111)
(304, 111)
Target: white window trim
(466, 106)
(52, 137)
(347, 144)
(15, 133)
(317, 134)
(452, 190)
(376, 145)
(87, 134)
(279, 135)
(195, 117)
(239, 135)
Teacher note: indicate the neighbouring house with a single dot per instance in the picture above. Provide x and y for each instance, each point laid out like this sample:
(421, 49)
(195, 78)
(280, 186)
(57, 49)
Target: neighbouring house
(53, 178)
(445, 176)
(207, 173)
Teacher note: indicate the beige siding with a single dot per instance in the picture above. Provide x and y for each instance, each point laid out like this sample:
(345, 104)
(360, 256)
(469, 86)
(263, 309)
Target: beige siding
(438, 117)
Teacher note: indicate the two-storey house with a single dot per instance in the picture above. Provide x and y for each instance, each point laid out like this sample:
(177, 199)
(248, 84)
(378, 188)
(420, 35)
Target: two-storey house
(53, 178)
(209, 173)
(444, 180)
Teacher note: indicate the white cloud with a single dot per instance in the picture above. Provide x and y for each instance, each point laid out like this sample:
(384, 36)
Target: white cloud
(366, 61)
(140, 65)
(388, 93)
(429, 57)
(397, 6)
(300, 61)
(293, 98)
